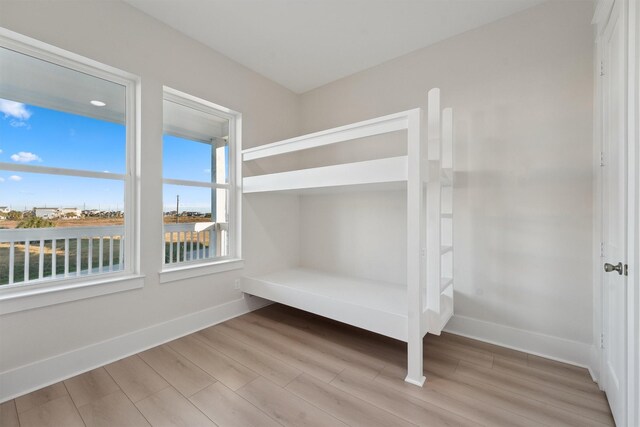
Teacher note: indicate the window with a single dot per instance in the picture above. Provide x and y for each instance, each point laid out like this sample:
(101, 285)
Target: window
(67, 168)
(200, 203)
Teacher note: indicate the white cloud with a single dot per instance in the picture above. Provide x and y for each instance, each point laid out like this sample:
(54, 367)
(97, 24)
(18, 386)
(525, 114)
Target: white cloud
(1, 179)
(0, 151)
(207, 171)
(15, 178)
(14, 109)
(19, 124)
(25, 157)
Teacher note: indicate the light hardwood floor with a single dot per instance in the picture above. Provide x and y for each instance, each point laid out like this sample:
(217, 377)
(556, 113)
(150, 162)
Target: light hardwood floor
(280, 366)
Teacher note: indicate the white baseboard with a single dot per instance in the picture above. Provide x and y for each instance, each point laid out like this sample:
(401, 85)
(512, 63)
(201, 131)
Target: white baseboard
(42, 373)
(560, 349)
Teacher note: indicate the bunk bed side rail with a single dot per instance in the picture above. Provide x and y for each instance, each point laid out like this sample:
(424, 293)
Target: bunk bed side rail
(377, 126)
(389, 170)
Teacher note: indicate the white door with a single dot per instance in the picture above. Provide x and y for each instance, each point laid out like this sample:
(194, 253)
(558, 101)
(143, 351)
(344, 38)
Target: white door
(614, 216)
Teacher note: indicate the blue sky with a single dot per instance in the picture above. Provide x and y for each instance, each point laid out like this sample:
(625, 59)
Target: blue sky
(188, 160)
(43, 137)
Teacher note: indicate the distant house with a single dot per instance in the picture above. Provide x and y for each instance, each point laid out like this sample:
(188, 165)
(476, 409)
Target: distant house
(4, 210)
(70, 212)
(47, 213)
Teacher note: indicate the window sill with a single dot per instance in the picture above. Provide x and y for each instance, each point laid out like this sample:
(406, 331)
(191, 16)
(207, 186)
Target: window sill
(45, 294)
(174, 274)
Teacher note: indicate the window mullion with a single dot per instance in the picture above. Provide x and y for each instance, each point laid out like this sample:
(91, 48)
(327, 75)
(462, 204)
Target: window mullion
(188, 183)
(61, 171)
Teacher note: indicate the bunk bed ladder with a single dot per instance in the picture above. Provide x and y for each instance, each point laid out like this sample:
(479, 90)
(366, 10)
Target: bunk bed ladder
(439, 215)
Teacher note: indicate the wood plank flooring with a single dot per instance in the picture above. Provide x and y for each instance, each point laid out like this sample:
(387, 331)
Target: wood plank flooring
(283, 367)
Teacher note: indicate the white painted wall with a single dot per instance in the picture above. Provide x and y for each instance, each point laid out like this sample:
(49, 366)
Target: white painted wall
(521, 89)
(121, 36)
(356, 233)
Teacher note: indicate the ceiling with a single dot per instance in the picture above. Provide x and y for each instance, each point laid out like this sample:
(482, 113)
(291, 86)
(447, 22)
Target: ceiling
(304, 44)
(196, 125)
(32, 81)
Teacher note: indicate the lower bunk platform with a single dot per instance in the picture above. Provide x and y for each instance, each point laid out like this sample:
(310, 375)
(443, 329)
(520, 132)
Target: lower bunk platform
(376, 306)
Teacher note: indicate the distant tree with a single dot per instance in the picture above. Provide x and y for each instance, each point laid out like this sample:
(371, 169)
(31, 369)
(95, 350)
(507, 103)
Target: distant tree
(70, 215)
(35, 222)
(14, 216)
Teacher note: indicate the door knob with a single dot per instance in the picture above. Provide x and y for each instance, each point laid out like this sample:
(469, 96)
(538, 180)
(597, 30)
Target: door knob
(610, 267)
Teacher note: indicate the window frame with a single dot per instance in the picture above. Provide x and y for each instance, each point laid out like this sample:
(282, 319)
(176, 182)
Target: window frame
(171, 272)
(53, 291)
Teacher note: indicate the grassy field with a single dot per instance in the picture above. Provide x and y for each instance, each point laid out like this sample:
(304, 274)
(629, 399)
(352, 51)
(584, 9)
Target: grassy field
(34, 250)
(98, 222)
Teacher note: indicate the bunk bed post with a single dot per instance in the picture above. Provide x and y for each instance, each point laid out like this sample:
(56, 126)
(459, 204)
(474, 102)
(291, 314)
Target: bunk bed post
(415, 250)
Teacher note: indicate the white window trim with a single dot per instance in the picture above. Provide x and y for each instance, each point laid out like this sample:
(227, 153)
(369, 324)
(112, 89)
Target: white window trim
(200, 269)
(18, 297)
(184, 270)
(44, 294)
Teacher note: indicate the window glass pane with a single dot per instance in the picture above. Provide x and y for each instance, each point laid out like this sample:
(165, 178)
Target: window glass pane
(195, 145)
(63, 255)
(186, 159)
(40, 212)
(25, 192)
(59, 226)
(48, 116)
(193, 230)
(188, 202)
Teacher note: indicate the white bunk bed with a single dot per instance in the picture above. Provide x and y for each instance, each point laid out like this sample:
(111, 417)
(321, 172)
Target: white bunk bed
(404, 312)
